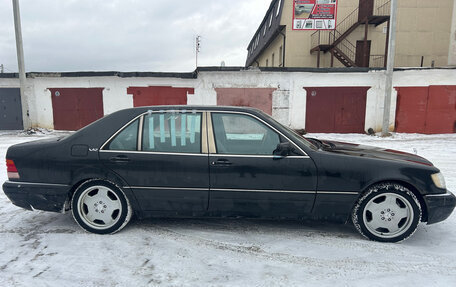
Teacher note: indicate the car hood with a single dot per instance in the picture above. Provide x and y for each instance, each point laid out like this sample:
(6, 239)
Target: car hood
(372, 152)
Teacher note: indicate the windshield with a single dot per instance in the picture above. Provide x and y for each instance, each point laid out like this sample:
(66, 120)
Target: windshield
(295, 136)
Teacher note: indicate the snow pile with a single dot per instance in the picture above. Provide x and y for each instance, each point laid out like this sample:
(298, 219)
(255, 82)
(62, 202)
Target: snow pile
(49, 249)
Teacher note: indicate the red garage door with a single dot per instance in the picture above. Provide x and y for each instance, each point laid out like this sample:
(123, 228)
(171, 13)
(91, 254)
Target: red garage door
(429, 110)
(159, 95)
(74, 108)
(260, 98)
(336, 109)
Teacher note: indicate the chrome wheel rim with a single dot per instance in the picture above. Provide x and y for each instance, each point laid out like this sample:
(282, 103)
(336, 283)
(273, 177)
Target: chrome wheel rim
(99, 207)
(388, 215)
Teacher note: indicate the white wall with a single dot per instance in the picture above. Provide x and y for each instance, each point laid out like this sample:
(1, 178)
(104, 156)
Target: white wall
(289, 98)
(452, 48)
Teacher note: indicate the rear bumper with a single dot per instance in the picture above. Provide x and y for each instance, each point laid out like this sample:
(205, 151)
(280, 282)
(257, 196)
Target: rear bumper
(440, 206)
(41, 196)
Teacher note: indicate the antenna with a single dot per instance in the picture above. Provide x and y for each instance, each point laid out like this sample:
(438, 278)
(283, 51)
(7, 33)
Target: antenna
(197, 48)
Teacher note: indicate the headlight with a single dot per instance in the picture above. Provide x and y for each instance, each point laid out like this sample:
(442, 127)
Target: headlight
(438, 180)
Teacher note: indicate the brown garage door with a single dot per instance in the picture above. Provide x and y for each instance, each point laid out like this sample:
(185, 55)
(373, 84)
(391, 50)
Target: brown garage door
(429, 110)
(159, 95)
(336, 109)
(260, 98)
(74, 108)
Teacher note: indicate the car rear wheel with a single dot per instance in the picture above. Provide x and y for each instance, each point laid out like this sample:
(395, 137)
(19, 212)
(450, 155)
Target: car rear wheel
(100, 207)
(387, 212)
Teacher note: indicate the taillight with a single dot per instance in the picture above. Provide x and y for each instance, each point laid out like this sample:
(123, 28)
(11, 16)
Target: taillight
(11, 169)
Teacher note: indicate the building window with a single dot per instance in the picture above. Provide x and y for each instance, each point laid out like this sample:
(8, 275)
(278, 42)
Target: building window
(264, 32)
(280, 57)
(272, 60)
(270, 20)
(278, 8)
(267, 62)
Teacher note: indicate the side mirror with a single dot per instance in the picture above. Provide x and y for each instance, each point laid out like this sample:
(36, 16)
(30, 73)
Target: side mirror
(282, 150)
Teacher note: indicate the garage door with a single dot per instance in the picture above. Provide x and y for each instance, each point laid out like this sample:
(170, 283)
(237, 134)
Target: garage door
(429, 110)
(159, 95)
(10, 109)
(74, 108)
(260, 98)
(336, 109)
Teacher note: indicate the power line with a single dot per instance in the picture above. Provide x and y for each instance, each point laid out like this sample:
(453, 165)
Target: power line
(3, 68)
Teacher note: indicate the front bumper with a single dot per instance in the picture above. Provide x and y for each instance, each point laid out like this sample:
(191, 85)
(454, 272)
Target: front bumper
(440, 206)
(41, 196)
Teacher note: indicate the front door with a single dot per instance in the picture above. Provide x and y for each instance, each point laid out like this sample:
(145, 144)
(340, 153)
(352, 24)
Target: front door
(362, 53)
(163, 164)
(247, 180)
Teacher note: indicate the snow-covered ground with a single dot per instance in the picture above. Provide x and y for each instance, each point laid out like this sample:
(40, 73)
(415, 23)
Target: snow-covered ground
(49, 249)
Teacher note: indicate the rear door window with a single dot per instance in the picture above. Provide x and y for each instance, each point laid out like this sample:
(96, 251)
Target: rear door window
(172, 132)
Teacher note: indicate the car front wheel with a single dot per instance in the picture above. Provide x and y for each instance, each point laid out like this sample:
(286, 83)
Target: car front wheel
(100, 207)
(387, 212)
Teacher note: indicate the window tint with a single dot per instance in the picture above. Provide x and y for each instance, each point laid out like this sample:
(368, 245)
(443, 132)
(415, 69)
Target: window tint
(127, 139)
(172, 132)
(242, 134)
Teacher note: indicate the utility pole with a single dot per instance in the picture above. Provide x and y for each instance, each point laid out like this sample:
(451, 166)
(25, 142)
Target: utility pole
(21, 65)
(389, 69)
(197, 48)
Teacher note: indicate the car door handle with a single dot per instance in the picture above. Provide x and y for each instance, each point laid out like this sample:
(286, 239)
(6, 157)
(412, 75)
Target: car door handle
(221, 162)
(119, 159)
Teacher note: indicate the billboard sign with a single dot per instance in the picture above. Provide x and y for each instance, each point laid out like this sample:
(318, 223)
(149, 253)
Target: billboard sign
(314, 14)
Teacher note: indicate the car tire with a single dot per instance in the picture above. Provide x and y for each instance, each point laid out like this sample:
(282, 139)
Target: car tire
(100, 207)
(387, 212)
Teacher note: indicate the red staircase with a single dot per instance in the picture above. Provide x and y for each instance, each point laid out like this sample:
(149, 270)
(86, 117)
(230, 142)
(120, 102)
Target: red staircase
(374, 12)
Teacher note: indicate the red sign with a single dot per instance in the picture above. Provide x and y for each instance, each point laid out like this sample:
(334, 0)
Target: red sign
(314, 14)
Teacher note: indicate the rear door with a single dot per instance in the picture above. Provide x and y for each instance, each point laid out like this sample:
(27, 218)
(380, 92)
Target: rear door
(160, 155)
(246, 179)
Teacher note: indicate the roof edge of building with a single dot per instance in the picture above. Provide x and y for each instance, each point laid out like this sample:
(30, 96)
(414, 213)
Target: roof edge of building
(194, 74)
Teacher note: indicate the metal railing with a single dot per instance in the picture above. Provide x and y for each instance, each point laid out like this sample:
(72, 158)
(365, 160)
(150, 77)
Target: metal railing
(382, 8)
(377, 61)
(348, 49)
(327, 37)
(320, 37)
(347, 23)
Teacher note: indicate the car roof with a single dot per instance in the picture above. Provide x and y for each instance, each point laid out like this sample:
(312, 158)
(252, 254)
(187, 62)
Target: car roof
(109, 124)
(194, 107)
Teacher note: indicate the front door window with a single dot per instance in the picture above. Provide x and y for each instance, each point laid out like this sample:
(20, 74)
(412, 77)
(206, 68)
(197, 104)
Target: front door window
(242, 134)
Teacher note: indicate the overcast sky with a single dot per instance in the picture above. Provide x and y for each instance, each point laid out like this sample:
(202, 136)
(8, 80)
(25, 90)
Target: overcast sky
(129, 35)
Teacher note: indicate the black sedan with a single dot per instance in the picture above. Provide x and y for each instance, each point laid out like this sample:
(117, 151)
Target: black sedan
(180, 161)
